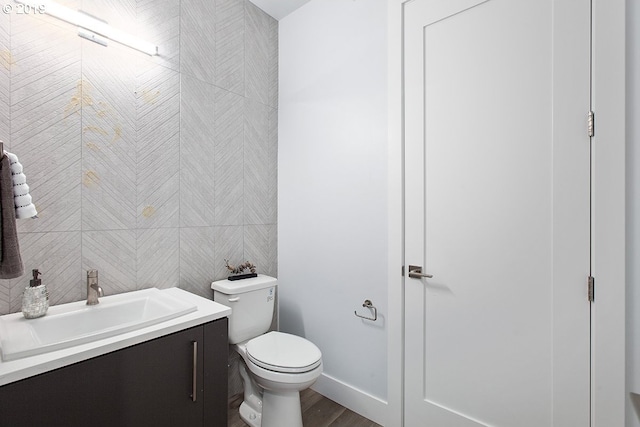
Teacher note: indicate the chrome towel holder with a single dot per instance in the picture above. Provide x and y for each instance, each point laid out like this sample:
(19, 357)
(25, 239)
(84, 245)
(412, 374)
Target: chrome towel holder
(368, 304)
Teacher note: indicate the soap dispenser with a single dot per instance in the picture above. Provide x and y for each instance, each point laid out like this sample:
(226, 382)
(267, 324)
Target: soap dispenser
(35, 300)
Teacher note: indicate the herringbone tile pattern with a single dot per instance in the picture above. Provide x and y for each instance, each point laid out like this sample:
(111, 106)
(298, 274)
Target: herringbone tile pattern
(158, 258)
(113, 254)
(259, 169)
(46, 99)
(57, 255)
(272, 64)
(229, 158)
(229, 245)
(197, 151)
(229, 39)
(118, 13)
(198, 39)
(151, 170)
(108, 139)
(257, 56)
(5, 112)
(159, 20)
(5, 299)
(197, 259)
(158, 148)
(260, 243)
(5, 67)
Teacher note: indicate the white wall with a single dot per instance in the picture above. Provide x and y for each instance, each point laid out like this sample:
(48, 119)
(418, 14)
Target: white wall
(633, 213)
(332, 173)
(332, 183)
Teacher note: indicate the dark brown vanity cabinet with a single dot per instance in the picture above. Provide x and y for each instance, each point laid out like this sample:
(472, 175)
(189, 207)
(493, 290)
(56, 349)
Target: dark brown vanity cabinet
(148, 384)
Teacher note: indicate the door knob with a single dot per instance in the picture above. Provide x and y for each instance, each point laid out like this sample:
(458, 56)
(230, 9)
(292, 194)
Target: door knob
(415, 272)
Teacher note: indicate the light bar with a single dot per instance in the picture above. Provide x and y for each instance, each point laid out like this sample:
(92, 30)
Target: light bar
(92, 24)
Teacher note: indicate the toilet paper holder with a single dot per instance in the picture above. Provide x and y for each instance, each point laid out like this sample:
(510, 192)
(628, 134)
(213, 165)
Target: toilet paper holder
(368, 304)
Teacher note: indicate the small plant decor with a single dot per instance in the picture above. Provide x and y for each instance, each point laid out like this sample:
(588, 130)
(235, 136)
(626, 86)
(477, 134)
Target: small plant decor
(237, 272)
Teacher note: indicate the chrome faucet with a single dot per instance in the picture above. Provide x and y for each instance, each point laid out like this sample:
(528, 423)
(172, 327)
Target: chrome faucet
(93, 290)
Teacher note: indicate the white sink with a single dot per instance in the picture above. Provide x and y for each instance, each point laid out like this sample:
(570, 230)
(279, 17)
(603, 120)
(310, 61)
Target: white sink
(67, 325)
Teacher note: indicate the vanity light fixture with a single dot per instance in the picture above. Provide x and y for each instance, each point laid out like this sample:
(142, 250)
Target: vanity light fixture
(90, 27)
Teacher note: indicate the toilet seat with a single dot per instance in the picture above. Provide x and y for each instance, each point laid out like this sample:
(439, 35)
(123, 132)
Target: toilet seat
(285, 353)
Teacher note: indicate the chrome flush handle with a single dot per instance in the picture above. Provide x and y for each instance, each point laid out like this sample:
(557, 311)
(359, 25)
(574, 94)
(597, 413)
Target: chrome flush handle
(415, 272)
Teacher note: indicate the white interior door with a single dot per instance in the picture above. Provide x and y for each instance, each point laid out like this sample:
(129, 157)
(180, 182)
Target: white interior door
(497, 210)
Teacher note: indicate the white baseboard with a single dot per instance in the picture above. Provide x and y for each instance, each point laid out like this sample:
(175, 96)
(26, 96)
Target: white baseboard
(350, 397)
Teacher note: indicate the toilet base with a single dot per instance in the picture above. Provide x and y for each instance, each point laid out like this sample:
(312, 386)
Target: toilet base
(281, 409)
(251, 407)
(250, 416)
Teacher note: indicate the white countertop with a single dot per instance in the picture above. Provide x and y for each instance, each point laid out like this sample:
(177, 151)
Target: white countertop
(207, 311)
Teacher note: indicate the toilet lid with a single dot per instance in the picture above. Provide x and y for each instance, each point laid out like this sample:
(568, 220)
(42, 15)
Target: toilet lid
(282, 352)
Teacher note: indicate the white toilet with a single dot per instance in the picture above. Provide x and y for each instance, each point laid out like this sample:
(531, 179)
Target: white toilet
(280, 365)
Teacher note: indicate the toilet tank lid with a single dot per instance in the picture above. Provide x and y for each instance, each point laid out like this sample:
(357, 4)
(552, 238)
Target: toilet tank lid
(231, 287)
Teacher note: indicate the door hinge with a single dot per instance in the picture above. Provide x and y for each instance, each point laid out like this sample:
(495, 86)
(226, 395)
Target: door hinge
(403, 271)
(591, 124)
(592, 288)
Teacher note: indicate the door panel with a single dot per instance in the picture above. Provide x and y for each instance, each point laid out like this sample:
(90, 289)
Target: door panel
(486, 158)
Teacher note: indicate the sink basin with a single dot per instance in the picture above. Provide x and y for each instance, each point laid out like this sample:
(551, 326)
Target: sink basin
(76, 323)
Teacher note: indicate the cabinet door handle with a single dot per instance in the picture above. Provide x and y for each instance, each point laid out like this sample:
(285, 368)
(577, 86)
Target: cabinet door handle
(194, 380)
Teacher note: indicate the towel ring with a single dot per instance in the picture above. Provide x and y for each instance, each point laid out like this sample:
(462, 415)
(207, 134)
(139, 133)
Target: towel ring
(368, 304)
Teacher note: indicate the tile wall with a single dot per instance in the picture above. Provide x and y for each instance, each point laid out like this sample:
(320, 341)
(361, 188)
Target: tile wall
(151, 169)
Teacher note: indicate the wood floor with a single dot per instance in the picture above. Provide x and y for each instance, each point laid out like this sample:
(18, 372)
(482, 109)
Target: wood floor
(317, 411)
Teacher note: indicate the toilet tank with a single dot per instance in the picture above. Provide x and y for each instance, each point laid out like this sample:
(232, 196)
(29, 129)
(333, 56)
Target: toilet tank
(251, 301)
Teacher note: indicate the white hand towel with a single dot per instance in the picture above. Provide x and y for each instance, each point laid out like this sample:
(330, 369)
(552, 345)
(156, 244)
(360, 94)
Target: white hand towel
(22, 199)
(19, 179)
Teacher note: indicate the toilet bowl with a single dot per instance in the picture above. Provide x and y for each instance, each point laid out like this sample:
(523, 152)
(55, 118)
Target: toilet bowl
(275, 366)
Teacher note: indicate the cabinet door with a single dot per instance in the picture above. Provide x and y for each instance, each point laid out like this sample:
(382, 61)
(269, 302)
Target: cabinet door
(149, 384)
(216, 362)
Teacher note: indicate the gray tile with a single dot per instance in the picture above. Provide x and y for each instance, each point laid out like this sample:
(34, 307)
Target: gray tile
(197, 39)
(229, 245)
(229, 45)
(6, 63)
(57, 256)
(46, 97)
(158, 255)
(108, 138)
(272, 233)
(272, 58)
(45, 73)
(258, 41)
(51, 162)
(120, 14)
(113, 254)
(197, 255)
(116, 150)
(159, 23)
(260, 247)
(158, 136)
(197, 170)
(259, 166)
(229, 158)
(272, 135)
(5, 297)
